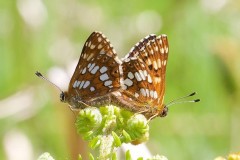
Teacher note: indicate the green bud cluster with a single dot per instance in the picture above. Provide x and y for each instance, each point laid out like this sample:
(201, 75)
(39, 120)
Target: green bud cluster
(109, 127)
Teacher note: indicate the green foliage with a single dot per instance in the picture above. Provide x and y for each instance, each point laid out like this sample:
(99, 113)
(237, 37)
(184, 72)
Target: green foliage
(108, 127)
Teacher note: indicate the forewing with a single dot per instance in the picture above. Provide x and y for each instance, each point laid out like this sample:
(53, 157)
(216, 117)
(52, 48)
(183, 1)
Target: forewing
(97, 72)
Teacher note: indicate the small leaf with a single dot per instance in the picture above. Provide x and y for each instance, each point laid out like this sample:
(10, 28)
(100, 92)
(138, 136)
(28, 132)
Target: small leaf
(91, 156)
(128, 155)
(127, 137)
(114, 156)
(88, 135)
(117, 140)
(95, 142)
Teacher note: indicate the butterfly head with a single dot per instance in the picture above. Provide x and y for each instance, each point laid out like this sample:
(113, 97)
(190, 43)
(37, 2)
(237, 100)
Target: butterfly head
(164, 112)
(63, 97)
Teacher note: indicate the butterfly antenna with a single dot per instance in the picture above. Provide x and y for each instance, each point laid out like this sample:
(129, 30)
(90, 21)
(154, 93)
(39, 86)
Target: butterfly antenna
(44, 78)
(177, 101)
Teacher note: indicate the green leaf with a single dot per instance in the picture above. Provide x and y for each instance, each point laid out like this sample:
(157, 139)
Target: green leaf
(114, 156)
(117, 140)
(95, 142)
(128, 155)
(91, 156)
(127, 137)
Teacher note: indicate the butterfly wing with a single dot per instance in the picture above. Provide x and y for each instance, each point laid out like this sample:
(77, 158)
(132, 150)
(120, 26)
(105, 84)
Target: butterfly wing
(144, 70)
(97, 72)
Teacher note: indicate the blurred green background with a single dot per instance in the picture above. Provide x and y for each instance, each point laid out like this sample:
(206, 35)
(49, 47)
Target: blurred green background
(204, 39)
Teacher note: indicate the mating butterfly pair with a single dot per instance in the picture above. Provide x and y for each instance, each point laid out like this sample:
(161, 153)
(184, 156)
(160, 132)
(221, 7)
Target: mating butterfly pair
(136, 82)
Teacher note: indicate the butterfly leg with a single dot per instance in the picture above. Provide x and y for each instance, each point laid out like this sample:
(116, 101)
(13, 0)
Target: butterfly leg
(83, 105)
(152, 117)
(140, 112)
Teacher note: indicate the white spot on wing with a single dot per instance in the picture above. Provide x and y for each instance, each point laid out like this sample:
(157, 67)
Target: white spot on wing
(78, 83)
(137, 76)
(155, 65)
(99, 46)
(107, 83)
(75, 84)
(157, 79)
(104, 77)
(136, 95)
(86, 84)
(99, 39)
(149, 62)
(127, 60)
(152, 93)
(141, 73)
(92, 46)
(164, 62)
(84, 70)
(90, 56)
(92, 89)
(91, 67)
(117, 94)
(81, 85)
(162, 50)
(166, 49)
(155, 95)
(130, 75)
(95, 69)
(103, 69)
(149, 79)
(159, 63)
(143, 92)
(124, 87)
(89, 44)
(147, 92)
(151, 51)
(128, 82)
(145, 73)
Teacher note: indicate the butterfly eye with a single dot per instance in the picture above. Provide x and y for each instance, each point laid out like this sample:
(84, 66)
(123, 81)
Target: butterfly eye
(164, 112)
(62, 97)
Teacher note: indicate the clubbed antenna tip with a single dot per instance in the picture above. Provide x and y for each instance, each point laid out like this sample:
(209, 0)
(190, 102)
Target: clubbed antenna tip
(196, 100)
(38, 74)
(192, 94)
(44, 78)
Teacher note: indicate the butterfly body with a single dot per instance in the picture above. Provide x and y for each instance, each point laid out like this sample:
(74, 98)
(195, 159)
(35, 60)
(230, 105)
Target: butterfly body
(136, 82)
